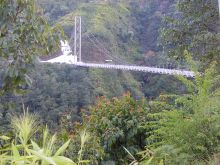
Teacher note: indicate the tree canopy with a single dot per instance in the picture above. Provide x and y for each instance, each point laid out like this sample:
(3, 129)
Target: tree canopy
(194, 26)
(24, 35)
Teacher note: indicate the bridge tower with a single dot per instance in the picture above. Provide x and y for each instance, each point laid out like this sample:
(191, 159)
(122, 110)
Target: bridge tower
(77, 39)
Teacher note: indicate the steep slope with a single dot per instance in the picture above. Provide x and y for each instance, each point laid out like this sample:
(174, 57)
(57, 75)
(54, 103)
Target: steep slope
(107, 35)
(110, 25)
(111, 30)
(128, 30)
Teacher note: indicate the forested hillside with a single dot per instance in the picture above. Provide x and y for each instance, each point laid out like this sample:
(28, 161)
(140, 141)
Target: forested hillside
(128, 30)
(110, 117)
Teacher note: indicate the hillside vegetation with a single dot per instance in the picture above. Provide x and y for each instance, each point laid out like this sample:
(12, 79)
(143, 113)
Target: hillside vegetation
(118, 28)
(110, 117)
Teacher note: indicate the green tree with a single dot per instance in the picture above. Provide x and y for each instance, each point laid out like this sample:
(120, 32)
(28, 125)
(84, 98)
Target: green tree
(118, 123)
(188, 133)
(24, 35)
(194, 26)
(54, 9)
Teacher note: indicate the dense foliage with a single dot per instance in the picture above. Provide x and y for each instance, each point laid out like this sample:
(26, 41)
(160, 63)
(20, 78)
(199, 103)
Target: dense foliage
(193, 26)
(118, 122)
(178, 123)
(188, 133)
(24, 35)
(60, 91)
(22, 149)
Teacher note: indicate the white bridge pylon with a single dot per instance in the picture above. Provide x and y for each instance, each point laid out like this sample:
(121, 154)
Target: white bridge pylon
(68, 57)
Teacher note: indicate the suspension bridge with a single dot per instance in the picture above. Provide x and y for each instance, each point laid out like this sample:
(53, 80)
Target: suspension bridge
(75, 58)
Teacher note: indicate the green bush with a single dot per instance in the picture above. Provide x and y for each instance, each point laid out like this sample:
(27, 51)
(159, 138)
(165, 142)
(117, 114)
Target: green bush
(21, 148)
(191, 127)
(118, 123)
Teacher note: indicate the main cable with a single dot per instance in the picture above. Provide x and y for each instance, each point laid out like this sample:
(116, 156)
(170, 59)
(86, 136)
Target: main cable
(107, 52)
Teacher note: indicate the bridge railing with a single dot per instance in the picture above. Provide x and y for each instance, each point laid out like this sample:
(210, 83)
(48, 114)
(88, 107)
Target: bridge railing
(139, 68)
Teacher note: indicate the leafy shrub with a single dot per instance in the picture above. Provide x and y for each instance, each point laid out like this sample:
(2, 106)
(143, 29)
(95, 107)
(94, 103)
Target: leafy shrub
(191, 128)
(118, 123)
(23, 150)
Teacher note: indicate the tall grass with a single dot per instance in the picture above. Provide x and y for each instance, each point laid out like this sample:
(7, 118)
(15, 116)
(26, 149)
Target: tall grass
(23, 150)
(24, 126)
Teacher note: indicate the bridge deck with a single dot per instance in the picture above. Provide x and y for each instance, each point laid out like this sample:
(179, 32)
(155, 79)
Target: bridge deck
(138, 68)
